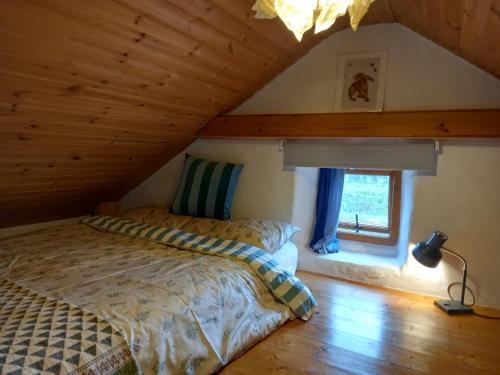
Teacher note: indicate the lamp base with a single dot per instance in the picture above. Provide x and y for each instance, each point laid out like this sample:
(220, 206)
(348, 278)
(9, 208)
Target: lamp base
(452, 307)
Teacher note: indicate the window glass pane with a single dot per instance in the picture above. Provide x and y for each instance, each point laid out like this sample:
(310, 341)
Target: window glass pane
(368, 197)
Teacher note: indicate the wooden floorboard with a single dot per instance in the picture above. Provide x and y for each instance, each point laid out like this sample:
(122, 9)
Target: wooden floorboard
(366, 330)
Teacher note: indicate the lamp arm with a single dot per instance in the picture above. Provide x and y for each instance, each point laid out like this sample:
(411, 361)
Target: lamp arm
(457, 255)
(465, 271)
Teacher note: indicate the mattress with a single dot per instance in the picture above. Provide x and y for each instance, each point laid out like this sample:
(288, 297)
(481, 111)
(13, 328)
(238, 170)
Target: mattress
(287, 256)
(179, 312)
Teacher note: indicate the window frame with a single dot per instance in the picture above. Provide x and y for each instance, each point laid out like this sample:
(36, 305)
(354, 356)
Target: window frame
(394, 212)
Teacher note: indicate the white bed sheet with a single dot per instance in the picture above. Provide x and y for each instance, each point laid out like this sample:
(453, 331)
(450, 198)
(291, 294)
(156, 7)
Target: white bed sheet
(288, 256)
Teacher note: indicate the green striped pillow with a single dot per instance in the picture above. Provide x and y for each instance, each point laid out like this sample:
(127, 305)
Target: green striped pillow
(206, 188)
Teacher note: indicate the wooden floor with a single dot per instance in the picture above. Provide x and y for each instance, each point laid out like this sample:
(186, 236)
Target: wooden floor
(365, 330)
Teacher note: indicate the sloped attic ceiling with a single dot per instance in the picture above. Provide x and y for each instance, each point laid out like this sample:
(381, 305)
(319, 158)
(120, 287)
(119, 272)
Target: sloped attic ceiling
(97, 95)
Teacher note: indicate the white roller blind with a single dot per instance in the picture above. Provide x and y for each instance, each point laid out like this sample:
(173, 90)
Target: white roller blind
(393, 156)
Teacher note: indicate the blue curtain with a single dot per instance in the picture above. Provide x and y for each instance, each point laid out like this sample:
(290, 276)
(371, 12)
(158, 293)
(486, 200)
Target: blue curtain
(330, 187)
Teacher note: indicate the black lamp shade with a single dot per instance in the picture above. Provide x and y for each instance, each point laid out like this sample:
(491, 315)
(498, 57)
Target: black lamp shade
(429, 253)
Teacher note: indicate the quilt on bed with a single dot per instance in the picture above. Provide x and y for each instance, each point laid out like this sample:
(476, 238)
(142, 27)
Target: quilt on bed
(179, 311)
(287, 288)
(41, 334)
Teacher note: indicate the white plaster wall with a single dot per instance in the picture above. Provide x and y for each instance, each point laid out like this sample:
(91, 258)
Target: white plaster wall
(304, 208)
(421, 75)
(463, 201)
(158, 188)
(264, 189)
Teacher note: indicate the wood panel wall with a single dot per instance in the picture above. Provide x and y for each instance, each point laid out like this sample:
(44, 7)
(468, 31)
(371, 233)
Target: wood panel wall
(469, 28)
(97, 95)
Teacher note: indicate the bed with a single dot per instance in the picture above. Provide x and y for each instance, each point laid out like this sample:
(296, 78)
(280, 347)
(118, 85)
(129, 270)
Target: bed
(88, 298)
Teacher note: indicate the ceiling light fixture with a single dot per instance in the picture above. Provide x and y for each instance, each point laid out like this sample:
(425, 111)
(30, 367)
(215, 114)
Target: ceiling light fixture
(300, 15)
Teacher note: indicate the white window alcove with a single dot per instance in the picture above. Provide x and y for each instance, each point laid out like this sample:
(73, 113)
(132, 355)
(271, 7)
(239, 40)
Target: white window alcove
(307, 157)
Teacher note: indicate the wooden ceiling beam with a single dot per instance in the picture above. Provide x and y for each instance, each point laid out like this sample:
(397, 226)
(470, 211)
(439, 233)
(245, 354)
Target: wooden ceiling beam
(464, 124)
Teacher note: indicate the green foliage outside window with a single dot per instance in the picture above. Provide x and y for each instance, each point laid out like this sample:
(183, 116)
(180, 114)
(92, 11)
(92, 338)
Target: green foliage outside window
(368, 197)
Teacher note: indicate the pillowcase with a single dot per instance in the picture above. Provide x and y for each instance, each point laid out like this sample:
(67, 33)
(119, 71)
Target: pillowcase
(206, 188)
(267, 235)
(156, 215)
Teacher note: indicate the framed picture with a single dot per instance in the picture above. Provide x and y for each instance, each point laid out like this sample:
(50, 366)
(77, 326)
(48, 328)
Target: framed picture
(360, 85)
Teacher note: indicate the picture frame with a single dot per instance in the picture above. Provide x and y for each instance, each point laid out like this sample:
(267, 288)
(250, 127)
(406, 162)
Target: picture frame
(360, 83)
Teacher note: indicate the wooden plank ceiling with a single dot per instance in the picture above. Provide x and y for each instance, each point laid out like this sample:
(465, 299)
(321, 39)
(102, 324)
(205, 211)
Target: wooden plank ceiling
(97, 95)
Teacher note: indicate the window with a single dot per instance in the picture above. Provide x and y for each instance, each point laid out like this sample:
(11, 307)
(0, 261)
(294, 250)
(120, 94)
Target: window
(370, 206)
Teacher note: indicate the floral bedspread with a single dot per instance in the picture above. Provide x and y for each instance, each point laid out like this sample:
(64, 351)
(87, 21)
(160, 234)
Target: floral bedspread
(180, 311)
(284, 286)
